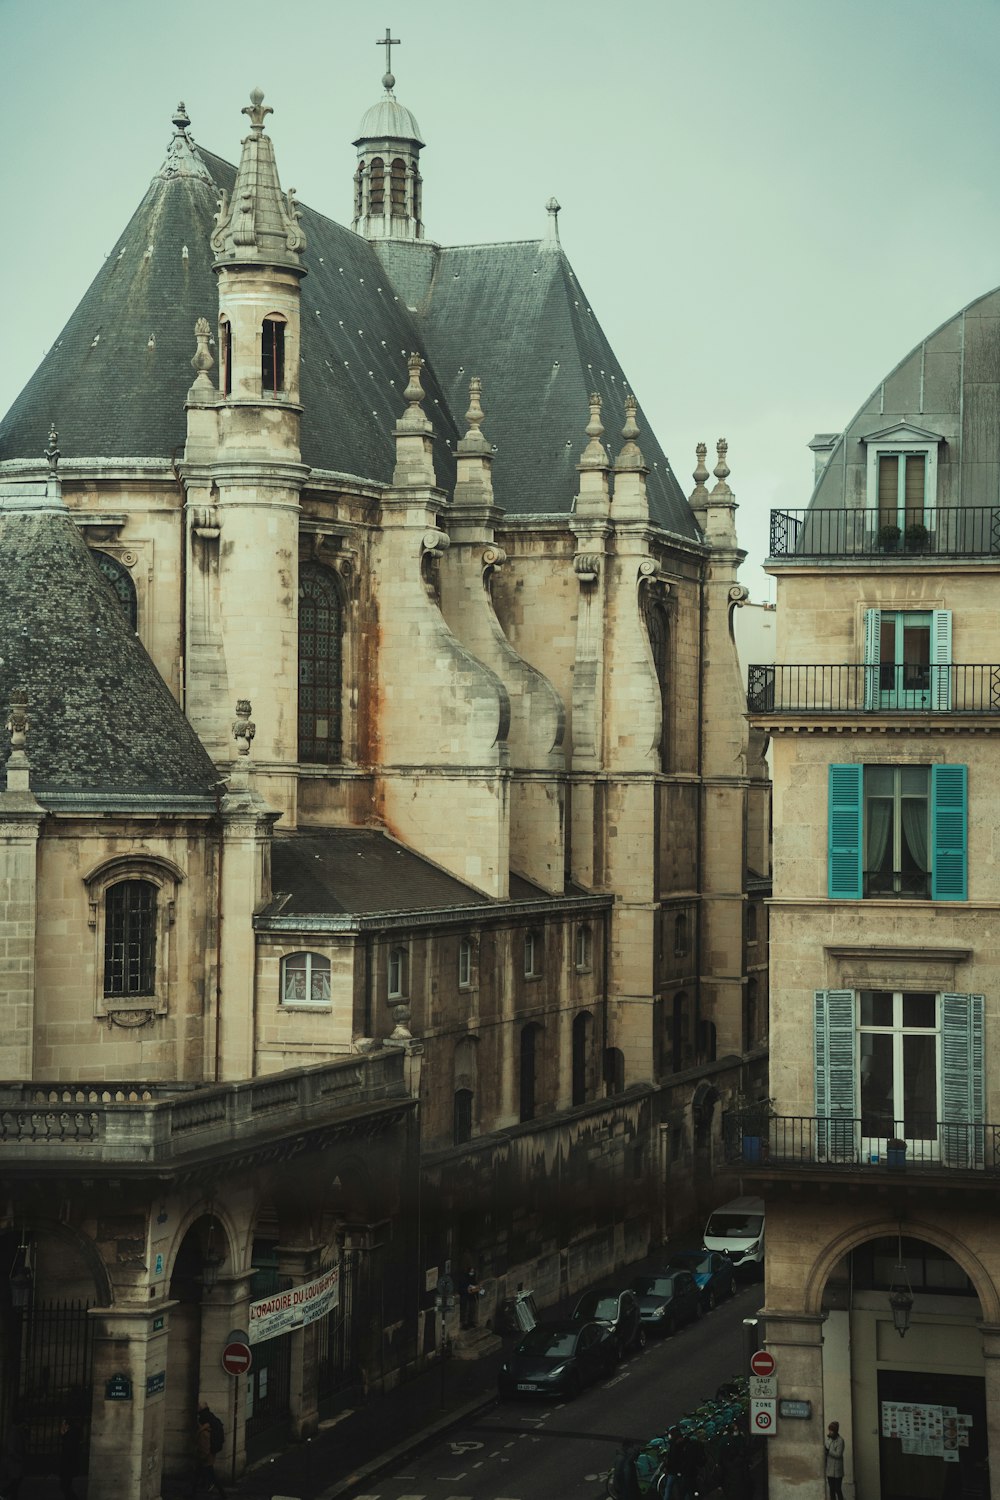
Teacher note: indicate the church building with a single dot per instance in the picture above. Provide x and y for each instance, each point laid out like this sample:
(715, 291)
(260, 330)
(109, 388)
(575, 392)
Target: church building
(383, 845)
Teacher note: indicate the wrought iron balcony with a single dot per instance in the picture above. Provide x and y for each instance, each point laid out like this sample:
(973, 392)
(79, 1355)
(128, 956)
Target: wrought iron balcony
(839, 688)
(952, 531)
(841, 1143)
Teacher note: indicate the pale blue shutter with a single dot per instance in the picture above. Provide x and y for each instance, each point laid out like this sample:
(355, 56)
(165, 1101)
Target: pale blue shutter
(949, 819)
(873, 638)
(834, 1054)
(846, 787)
(941, 659)
(962, 1080)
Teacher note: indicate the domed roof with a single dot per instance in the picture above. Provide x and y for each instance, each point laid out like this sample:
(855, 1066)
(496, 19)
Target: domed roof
(388, 119)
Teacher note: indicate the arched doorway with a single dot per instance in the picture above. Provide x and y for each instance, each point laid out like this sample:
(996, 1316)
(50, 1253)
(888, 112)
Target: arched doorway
(912, 1406)
(202, 1254)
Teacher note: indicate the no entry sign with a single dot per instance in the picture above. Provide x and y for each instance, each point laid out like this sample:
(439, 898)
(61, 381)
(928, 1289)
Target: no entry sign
(237, 1359)
(762, 1363)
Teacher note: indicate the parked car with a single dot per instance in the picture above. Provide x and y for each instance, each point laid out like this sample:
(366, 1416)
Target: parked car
(619, 1309)
(714, 1274)
(667, 1299)
(559, 1359)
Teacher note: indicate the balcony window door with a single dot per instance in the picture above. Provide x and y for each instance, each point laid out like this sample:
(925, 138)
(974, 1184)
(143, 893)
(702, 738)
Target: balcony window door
(908, 657)
(902, 489)
(897, 825)
(898, 1070)
(899, 1064)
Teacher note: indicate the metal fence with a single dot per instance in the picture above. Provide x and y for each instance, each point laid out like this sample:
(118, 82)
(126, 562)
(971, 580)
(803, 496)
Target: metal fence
(934, 531)
(852, 687)
(48, 1357)
(836, 1142)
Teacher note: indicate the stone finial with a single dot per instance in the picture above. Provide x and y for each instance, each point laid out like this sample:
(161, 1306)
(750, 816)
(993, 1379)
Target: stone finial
(183, 158)
(52, 454)
(18, 724)
(257, 110)
(594, 455)
(631, 455)
(722, 469)
(181, 120)
(414, 392)
(474, 415)
(552, 232)
(244, 728)
(700, 473)
(202, 360)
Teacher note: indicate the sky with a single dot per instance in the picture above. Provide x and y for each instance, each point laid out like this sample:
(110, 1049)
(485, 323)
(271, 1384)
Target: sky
(766, 204)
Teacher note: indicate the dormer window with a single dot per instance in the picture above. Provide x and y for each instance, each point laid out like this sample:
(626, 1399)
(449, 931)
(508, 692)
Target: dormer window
(272, 356)
(902, 486)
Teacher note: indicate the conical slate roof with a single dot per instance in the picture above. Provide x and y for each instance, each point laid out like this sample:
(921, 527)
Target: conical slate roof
(105, 732)
(115, 381)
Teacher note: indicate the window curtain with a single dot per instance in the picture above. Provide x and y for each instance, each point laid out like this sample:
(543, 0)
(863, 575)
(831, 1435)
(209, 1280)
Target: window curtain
(879, 826)
(915, 831)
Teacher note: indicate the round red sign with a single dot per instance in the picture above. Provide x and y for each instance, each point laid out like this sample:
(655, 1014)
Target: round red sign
(762, 1363)
(237, 1359)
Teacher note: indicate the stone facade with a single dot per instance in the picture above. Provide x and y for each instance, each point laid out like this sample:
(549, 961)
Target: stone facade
(878, 1162)
(418, 868)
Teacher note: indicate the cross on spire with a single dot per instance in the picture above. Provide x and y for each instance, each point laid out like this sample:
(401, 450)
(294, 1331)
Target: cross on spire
(388, 42)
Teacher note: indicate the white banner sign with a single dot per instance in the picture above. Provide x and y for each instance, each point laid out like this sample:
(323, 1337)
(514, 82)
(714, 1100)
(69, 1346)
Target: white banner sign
(295, 1308)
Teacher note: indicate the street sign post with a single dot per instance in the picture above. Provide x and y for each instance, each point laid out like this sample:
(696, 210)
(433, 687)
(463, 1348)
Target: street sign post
(237, 1359)
(762, 1363)
(762, 1418)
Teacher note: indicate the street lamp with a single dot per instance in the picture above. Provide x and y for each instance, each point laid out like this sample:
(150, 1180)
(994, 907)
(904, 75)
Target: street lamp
(211, 1260)
(900, 1294)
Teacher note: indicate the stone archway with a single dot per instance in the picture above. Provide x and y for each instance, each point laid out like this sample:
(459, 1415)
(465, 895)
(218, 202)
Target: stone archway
(203, 1254)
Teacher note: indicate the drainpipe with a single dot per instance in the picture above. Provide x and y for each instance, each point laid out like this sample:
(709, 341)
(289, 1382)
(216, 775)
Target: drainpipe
(700, 812)
(185, 544)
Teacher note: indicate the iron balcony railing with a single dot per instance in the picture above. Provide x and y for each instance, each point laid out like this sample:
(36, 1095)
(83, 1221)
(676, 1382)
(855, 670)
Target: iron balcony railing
(838, 688)
(936, 531)
(841, 1142)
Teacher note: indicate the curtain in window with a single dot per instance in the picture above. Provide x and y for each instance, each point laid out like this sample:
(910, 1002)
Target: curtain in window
(879, 828)
(915, 831)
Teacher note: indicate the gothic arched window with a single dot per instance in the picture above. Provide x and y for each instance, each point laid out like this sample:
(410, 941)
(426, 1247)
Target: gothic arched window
(658, 628)
(583, 1030)
(272, 356)
(320, 665)
(119, 578)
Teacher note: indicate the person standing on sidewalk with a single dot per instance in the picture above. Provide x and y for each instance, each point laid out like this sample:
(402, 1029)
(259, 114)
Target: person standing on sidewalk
(835, 1461)
(205, 1477)
(69, 1456)
(468, 1293)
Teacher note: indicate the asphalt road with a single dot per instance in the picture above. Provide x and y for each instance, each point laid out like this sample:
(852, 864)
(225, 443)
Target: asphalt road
(560, 1451)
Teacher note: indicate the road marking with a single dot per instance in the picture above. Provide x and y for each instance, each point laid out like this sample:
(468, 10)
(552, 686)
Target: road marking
(466, 1446)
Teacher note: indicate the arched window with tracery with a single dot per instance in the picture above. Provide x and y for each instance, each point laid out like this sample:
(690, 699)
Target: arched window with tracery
(658, 629)
(119, 578)
(397, 189)
(320, 665)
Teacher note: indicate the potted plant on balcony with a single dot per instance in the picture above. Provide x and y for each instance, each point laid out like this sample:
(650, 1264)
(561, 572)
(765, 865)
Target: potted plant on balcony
(915, 537)
(895, 1154)
(888, 538)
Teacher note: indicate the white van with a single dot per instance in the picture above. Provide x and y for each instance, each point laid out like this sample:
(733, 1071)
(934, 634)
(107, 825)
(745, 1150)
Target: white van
(737, 1230)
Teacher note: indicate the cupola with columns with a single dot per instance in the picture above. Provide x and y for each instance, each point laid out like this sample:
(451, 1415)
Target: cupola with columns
(387, 183)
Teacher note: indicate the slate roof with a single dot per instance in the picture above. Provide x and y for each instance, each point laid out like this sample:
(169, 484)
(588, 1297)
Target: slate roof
(105, 731)
(364, 870)
(513, 314)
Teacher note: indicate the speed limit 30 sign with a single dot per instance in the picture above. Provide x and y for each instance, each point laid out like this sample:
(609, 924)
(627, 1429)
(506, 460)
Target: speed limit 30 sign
(762, 1418)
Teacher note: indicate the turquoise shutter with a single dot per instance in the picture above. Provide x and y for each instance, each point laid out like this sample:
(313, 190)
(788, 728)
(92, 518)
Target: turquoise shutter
(941, 660)
(834, 1052)
(962, 1080)
(949, 819)
(873, 638)
(844, 832)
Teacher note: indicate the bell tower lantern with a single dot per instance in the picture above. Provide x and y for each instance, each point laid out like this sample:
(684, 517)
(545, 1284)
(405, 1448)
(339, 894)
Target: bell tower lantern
(387, 183)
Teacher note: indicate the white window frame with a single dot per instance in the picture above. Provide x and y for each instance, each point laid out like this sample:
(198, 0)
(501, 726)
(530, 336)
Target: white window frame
(465, 963)
(309, 1002)
(584, 948)
(397, 972)
(929, 1149)
(902, 440)
(532, 955)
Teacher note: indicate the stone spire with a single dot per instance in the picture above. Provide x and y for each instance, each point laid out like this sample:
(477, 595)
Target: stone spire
(474, 478)
(201, 361)
(594, 466)
(414, 434)
(183, 159)
(699, 495)
(631, 502)
(719, 505)
(260, 224)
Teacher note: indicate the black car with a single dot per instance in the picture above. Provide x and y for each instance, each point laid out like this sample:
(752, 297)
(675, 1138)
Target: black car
(619, 1308)
(558, 1359)
(714, 1273)
(667, 1299)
